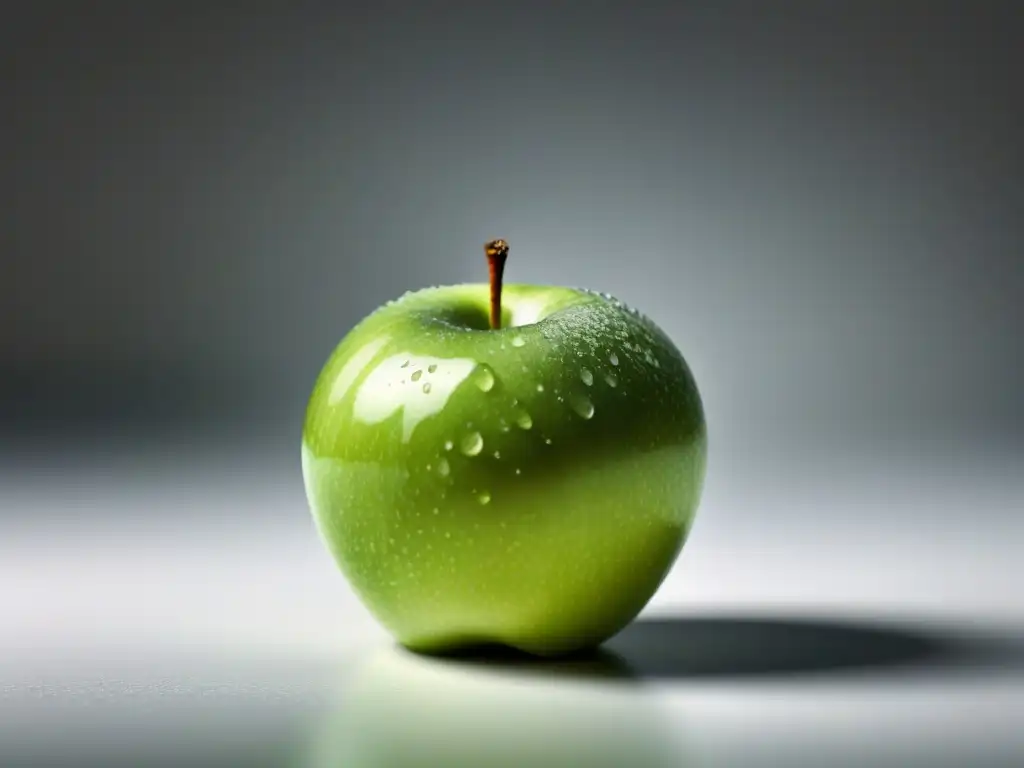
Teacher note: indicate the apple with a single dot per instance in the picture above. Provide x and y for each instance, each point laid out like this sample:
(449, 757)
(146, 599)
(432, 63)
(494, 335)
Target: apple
(507, 464)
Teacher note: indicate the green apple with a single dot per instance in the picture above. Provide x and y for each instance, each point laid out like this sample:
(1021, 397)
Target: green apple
(528, 485)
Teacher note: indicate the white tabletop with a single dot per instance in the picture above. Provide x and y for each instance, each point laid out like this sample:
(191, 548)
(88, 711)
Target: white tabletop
(855, 610)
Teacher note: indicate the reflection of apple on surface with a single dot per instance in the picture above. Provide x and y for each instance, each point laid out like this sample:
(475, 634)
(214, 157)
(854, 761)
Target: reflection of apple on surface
(515, 465)
(401, 710)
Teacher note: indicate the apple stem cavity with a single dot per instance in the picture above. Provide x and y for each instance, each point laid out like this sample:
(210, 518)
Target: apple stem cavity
(497, 252)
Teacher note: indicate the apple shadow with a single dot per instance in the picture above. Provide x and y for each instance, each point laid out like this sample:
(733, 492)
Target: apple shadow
(746, 647)
(742, 647)
(594, 664)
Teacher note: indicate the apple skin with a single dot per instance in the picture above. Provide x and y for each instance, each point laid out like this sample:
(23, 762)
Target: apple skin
(529, 486)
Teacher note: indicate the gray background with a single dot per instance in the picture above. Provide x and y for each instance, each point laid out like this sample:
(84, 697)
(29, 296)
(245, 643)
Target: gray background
(822, 203)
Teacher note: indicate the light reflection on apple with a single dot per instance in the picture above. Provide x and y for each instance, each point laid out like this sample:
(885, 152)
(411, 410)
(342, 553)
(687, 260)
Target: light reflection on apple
(417, 385)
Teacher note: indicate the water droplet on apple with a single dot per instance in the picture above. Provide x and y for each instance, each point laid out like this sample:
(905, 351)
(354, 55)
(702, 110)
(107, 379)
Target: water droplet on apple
(540, 387)
(497, 454)
(443, 468)
(437, 511)
(612, 381)
(484, 378)
(432, 367)
(416, 375)
(448, 535)
(405, 364)
(484, 498)
(472, 444)
(448, 445)
(547, 440)
(519, 471)
(582, 405)
(613, 359)
(518, 341)
(503, 425)
(587, 377)
(426, 388)
(523, 420)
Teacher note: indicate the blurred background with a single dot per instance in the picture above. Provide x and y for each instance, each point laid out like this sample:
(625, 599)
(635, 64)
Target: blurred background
(821, 203)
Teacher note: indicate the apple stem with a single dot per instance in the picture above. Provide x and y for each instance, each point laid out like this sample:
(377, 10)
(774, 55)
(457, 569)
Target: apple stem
(497, 252)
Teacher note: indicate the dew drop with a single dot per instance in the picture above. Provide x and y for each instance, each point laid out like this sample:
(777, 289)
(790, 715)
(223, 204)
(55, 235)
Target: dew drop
(547, 440)
(587, 377)
(448, 445)
(518, 341)
(582, 405)
(472, 444)
(431, 368)
(437, 511)
(523, 420)
(503, 425)
(426, 388)
(416, 376)
(443, 468)
(612, 381)
(484, 498)
(497, 454)
(485, 378)
(613, 359)
(519, 471)
(448, 535)
(405, 364)
(540, 387)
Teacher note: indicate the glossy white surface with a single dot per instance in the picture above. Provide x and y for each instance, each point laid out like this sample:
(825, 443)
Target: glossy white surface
(845, 613)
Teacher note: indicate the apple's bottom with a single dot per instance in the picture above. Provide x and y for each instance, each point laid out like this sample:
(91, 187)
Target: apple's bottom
(549, 567)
